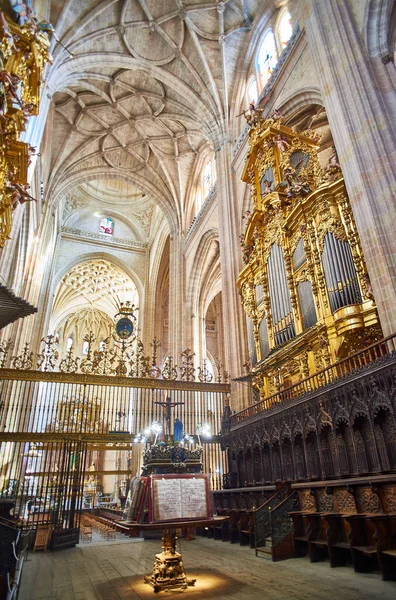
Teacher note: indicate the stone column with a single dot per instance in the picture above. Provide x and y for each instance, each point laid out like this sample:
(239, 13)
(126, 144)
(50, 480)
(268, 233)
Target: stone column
(235, 343)
(356, 103)
(176, 296)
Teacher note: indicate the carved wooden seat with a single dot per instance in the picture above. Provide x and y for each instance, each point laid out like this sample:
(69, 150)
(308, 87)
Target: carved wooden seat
(234, 521)
(385, 536)
(246, 528)
(337, 532)
(316, 530)
(221, 531)
(300, 536)
(362, 542)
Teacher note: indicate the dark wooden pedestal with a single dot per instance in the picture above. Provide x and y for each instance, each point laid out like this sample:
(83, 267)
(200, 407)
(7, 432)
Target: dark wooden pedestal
(168, 572)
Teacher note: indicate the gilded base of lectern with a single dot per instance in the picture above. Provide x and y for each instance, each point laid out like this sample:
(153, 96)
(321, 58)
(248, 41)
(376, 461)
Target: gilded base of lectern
(168, 572)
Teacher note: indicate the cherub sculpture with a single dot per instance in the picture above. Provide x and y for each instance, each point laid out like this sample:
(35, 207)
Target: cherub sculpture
(281, 143)
(266, 187)
(276, 115)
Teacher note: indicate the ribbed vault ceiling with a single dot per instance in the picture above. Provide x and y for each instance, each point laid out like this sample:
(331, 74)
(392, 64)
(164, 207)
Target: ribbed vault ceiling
(148, 91)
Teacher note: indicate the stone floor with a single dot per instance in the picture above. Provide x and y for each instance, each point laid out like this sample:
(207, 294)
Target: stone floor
(115, 571)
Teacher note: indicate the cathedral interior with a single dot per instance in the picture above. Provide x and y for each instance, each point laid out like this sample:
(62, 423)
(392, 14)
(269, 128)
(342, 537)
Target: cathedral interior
(198, 276)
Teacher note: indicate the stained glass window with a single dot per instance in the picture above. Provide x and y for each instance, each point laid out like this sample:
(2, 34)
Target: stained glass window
(106, 226)
(85, 348)
(69, 343)
(267, 57)
(252, 90)
(285, 29)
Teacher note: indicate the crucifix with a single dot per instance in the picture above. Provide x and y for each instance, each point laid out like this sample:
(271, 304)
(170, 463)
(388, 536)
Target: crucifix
(167, 406)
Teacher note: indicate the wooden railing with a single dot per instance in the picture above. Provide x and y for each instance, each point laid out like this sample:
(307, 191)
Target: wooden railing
(330, 374)
(262, 519)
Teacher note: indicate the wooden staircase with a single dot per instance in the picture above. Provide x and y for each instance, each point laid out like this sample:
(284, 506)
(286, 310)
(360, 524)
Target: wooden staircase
(265, 551)
(274, 527)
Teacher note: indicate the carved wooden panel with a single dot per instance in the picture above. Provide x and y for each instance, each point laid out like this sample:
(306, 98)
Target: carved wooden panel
(344, 449)
(367, 500)
(345, 501)
(307, 501)
(389, 498)
(325, 500)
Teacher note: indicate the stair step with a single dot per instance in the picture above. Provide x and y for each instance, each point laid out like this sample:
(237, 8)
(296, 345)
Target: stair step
(264, 552)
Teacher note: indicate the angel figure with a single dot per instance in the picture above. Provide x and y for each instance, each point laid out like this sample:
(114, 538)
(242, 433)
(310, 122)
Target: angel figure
(276, 115)
(281, 143)
(19, 194)
(251, 114)
(8, 90)
(293, 184)
(23, 11)
(32, 152)
(246, 217)
(266, 187)
(333, 160)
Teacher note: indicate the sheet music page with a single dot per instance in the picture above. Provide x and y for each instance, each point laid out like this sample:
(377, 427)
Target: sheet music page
(194, 498)
(167, 499)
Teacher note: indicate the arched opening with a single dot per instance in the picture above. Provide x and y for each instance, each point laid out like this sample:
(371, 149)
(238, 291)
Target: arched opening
(267, 466)
(214, 339)
(267, 57)
(385, 438)
(364, 444)
(252, 90)
(287, 460)
(161, 313)
(241, 466)
(345, 451)
(86, 300)
(311, 445)
(257, 464)
(249, 466)
(326, 447)
(299, 457)
(276, 462)
(284, 29)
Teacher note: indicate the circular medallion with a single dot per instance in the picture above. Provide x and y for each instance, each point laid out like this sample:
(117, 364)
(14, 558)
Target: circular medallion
(124, 328)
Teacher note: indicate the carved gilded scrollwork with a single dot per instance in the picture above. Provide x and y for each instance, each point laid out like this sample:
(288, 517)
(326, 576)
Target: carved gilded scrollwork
(298, 201)
(317, 261)
(303, 360)
(23, 55)
(293, 241)
(327, 221)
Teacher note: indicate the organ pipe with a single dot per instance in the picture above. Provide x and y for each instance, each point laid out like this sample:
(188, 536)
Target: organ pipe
(340, 273)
